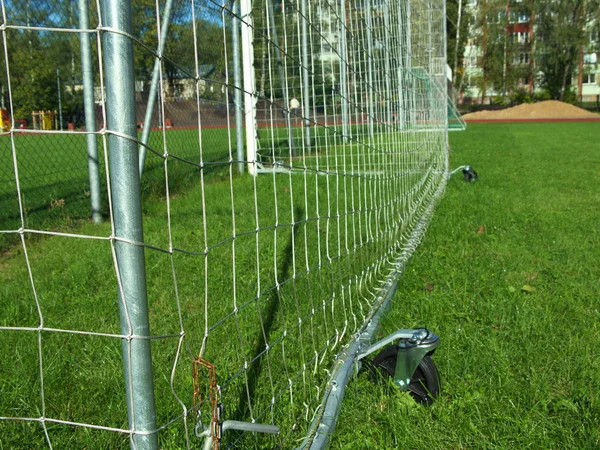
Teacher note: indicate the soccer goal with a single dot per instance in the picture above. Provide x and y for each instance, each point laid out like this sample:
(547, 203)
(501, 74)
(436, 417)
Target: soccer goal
(258, 173)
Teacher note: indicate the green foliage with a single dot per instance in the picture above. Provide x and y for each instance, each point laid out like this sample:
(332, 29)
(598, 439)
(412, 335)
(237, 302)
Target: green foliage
(561, 30)
(500, 100)
(561, 38)
(542, 96)
(452, 14)
(33, 79)
(570, 95)
(521, 96)
(500, 66)
(34, 57)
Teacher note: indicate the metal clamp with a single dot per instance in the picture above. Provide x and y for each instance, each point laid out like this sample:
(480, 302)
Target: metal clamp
(211, 434)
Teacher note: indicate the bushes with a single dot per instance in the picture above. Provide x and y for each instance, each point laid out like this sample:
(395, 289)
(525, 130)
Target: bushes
(520, 96)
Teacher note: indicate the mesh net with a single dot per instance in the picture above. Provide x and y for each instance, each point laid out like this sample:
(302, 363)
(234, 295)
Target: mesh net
(254, 283)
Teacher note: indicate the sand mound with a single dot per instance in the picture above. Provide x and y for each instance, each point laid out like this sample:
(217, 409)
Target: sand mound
(550, 109)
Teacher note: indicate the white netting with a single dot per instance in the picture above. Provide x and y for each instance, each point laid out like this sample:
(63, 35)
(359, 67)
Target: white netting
(258, 281)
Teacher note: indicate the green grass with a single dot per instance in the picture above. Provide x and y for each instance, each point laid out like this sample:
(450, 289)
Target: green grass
(519, 369)
(307, 261)
(54, 181)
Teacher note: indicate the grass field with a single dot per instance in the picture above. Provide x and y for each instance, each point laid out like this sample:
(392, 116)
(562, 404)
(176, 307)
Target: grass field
(513, 289)
(288, 260)
(54, 180)
(512, 264)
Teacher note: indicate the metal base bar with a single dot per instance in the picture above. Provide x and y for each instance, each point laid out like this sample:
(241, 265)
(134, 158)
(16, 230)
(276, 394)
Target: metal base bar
(234, 425)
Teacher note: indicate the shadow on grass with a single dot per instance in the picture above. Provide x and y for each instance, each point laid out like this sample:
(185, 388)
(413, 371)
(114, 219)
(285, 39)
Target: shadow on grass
(182, 175)
(54, 205)
(267, 319)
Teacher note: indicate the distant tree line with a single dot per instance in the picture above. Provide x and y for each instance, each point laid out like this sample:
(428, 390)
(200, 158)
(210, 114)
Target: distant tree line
(547, 58)
(43, 62)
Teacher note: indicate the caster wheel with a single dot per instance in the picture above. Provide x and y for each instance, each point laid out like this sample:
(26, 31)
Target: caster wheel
(424, 385)
(469, 174)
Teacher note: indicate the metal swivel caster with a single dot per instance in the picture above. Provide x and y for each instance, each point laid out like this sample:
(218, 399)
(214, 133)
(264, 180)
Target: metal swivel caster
(409, 363)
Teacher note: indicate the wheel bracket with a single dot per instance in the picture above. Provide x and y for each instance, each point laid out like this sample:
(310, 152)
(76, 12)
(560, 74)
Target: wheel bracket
(413, 345)
(468, 172)
(410, 355)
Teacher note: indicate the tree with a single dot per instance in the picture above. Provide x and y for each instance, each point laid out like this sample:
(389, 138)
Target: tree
(561, 38)
(505, 49)
(457, 33)
(491, 39)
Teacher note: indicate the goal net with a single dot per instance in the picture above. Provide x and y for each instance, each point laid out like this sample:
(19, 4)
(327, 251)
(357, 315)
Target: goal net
(262, 170)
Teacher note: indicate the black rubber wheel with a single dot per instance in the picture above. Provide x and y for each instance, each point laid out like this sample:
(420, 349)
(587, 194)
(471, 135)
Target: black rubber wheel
(424, 385)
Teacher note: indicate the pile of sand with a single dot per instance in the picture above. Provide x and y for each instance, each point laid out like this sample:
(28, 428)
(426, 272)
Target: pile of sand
(550, 109)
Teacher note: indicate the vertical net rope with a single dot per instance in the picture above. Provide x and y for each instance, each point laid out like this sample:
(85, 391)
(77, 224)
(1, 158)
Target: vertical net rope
(291, 152)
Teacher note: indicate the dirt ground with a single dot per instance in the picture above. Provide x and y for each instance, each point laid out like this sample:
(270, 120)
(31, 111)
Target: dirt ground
(550, 109)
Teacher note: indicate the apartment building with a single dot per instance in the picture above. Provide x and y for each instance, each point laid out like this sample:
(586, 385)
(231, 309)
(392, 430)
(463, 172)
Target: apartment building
(516, 27)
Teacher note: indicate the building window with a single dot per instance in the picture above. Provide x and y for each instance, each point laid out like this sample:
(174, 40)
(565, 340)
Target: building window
(589, 78)
(520, 17)
(590, 58)
(470, 61)
(522, 58)
(524, 81)
(523, 37)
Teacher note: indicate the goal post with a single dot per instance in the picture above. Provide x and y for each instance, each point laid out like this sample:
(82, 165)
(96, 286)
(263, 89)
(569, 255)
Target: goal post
(89, 111)
(249, 83)
(126, 212)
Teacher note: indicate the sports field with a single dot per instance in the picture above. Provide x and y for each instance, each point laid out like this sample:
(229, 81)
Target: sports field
(54, 181)
(507, 275)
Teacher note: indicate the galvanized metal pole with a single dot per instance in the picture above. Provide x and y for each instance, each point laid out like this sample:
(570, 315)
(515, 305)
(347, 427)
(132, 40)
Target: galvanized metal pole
(305, 74)
(60, 118)
(249, 84)
(282, 80)
(444, 84)
(387, 55)
(164, 28)
(371, 88)
(90, 111)
(409, 70)
(237, 86)
(343, 76)
(401, 69)
(127, 214)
